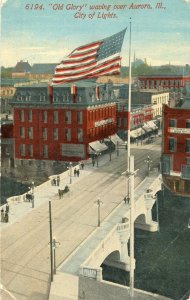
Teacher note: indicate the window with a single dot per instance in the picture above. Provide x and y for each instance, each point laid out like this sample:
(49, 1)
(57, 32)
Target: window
(125, 122)
(79, 117)
(172, 144)
(22, 132)
(188, 160)
(30, 116)
(55, 134)
(22, 115)
(45, 151)
(30, 132)
(173, 123)
(30, 150)
(42, 97)
(80, 134)
(68, 117)
(187, 146)
(118, 121)
(68, 134)
(45, 133)
(45, 116)
(55, 115)
(188, 124)
(22, 150)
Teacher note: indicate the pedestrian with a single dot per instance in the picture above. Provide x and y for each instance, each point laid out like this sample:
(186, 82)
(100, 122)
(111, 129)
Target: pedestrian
(7, 208)
(93, 162)
(82, 165)
(6, 218)
(54, 181)
(128, 199)
(58, 180)
(75, 172)
(125, 199)
(2, 215)
(78, 173)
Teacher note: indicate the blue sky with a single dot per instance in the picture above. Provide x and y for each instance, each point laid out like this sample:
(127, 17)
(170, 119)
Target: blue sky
(159, 35)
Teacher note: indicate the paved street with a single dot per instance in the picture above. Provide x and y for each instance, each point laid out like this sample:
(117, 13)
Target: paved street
(24, 242)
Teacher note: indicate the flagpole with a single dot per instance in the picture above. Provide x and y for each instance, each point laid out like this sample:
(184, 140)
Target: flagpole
(129, 100)
(130, 167)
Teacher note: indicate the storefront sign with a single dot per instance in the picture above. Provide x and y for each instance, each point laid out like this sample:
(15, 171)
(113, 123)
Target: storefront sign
(179, 130)
(103, 122)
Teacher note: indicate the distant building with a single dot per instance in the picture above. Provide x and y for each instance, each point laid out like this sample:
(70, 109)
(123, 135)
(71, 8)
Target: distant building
(7, 91)
(21, 70)
(153, 98)
(176, 148)
(172, 82)
(43, 71)
(7, 142)
(140, 116)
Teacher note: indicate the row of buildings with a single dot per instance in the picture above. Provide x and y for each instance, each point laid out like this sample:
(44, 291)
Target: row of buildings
(70, 122)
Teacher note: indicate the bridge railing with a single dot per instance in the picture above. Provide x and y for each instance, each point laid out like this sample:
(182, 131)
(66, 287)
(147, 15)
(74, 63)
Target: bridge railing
(22, 198)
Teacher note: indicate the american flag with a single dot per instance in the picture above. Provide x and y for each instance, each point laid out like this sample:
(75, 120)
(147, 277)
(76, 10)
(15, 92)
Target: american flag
(92, 60)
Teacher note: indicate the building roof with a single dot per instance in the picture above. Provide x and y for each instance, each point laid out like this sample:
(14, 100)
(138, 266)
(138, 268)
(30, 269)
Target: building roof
(13, 81)
(164, 76)
(22, 67)
(43, 68)
(82, 83)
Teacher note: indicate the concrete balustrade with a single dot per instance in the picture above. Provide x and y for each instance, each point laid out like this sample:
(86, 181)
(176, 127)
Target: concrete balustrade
(64, 177)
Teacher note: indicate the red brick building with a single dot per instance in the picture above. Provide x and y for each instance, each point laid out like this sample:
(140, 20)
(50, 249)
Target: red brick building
(69, 122)
(176, 148)
(59, 123)
(164, 82)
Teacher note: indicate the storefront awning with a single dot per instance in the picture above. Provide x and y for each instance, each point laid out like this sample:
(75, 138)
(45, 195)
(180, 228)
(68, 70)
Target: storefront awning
(116, 139)
(98, 147)
(134, 133)
(152, 125)
(147, 129)
(137, 132)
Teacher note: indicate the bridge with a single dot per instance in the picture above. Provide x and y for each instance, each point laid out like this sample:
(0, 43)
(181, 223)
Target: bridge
(84, 246)
(108, 244)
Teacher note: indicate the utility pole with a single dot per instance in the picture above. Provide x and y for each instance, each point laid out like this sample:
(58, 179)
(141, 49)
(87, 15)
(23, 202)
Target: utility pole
(50, 243)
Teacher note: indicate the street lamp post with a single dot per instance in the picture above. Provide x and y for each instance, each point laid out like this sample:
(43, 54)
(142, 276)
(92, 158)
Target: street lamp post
(148, 161)
(97, 154)
(70, 171)
(117, 148)
(50, 243)
(32, 188)
(110, 148)
(99, 203)
(54, 253)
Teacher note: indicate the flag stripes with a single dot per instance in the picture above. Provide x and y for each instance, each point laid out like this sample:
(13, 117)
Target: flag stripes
(91, 60)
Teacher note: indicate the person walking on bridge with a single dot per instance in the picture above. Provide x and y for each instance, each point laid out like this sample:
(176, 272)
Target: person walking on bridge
(2, 215)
